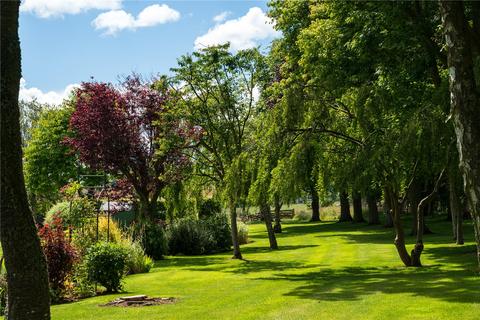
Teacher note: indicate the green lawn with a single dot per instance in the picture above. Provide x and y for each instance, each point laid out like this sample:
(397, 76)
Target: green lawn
(322, 271)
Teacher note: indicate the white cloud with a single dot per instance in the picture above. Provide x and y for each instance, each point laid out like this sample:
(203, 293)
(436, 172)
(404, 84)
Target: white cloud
(242, 33)
(221, 16)
(57, 8)
(50, 97)
(116, 20)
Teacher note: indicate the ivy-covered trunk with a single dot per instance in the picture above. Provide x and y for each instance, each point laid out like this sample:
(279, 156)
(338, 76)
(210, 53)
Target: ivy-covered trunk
(357, 207)
(315, 204)
(233, 221)
(344, 207)
(465, 102)
(267, 217)
(27, 278)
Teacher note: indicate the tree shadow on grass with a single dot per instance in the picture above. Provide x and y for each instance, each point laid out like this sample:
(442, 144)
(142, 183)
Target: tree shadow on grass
(353, 283)
(464, 256)
(191, 261)
(266, 249)
(257, 266)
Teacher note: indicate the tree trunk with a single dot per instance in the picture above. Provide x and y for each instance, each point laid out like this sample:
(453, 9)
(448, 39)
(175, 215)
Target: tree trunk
(465, 103)
(233, 221)
(357, 207)
(413, 194)
(418, 249)
(27, 278)
(278, 225)
(147, 208)
(399, 232)
(373, 217)
(267, 217)
(387, 208)
(315, 205)
(344, 207)
(456, 208)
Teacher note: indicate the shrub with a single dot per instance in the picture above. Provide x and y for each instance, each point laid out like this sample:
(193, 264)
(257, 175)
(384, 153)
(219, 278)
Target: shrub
(153, 238)
(60, 256)
(189, 237)
(85, 237)
(75, 213)
(195, 237)
(209, 208)
(219, 228)
(242, 233)
(301, 215)
(83, 287)
(137, 260)
(106, 264)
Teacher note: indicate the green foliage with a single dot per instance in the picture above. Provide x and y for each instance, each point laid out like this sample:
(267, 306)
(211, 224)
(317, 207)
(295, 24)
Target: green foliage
(302, 215)
(137, 260)
(195, 237)
(190, 237)
(242, 233)
(86, 237)
(217, 225)
(49, 164)
(106, 264)
(154, 239)
(82, 286)
(75, 213)
(219, 97)
(208, 208)
(30, 111)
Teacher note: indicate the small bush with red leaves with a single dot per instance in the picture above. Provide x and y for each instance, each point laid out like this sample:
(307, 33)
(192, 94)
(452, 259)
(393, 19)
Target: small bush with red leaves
(61, 256)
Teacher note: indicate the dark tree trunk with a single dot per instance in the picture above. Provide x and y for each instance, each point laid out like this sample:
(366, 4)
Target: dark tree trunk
(456, 208)
(465, 103)
(373, 217)
(233, 221)
(413, 194)
(267, 217)
(344, 207)
(399, 231)
(27, 278)
(278, 225)
(413, 201)
(387, 208)
(147, 210)
(357, 207)
(418, 249)
(315, 204)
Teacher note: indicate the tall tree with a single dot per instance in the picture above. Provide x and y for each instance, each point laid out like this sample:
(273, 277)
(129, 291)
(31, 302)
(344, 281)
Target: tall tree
(354, 85)
(219, 95)
(128, 131)
(27, 278)
(462, 35)
(49, 164)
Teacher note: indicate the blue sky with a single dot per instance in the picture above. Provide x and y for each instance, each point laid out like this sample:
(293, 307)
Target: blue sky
(65, 42)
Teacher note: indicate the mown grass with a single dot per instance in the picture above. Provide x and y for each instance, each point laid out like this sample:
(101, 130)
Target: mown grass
(322, 271)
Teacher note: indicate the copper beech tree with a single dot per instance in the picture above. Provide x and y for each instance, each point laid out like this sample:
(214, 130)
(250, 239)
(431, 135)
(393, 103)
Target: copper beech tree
(127, 131)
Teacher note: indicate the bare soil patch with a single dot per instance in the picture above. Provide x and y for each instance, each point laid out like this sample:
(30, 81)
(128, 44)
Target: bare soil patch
(139, 301)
